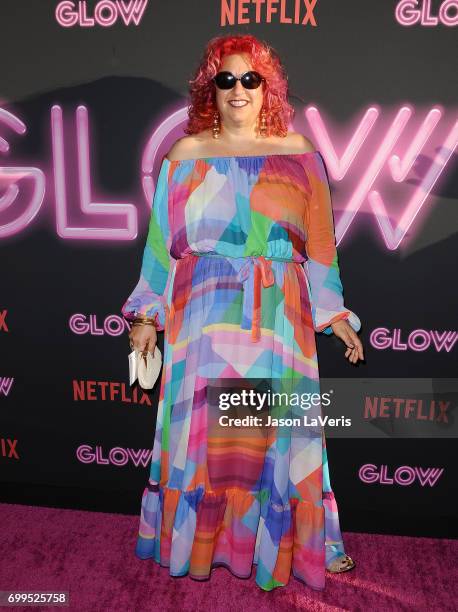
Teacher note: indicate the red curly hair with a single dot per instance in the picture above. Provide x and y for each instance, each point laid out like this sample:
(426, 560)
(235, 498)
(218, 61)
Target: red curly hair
(264, 59)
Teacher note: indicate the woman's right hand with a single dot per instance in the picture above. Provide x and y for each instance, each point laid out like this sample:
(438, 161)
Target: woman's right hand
(143, 338)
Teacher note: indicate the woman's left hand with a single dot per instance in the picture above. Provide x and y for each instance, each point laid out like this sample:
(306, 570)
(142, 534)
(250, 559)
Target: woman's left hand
(343, 330)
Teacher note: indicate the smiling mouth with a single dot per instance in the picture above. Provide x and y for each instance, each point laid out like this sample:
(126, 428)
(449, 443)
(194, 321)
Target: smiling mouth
(238, 103)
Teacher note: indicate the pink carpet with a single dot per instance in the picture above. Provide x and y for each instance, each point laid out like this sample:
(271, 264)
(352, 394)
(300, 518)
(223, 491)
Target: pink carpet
(91, 555)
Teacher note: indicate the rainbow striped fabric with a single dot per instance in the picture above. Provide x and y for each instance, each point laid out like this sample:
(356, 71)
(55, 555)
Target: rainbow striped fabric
(240, 270)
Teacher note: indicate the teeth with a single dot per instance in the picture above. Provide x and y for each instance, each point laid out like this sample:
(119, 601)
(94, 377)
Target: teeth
(238, 102)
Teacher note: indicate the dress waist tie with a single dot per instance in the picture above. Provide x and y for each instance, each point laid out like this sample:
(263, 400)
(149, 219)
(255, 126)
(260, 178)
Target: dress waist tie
(253, 271)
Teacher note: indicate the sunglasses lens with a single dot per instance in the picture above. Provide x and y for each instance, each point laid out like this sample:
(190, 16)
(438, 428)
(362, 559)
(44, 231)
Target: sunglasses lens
(225, 80)
(251, 80)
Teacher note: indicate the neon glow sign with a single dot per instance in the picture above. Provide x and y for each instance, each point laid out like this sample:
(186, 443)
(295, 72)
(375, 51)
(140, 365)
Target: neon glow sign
(418, 340)
(120, 220)
(404, 475)
(411, 12)
(106, 13)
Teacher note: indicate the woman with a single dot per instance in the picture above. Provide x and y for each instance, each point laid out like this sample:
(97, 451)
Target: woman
(239, 270)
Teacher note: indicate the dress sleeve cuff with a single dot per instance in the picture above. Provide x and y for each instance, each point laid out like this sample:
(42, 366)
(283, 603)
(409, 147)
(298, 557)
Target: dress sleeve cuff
(324, 319)
(143, 305)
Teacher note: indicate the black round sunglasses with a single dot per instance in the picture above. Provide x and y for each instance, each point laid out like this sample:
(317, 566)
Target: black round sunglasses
(249, 80)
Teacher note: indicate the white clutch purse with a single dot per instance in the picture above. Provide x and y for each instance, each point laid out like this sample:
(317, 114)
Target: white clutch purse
(145, 369)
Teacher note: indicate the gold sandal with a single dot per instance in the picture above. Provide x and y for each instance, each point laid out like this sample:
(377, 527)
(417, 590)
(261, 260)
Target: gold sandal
(336, 567)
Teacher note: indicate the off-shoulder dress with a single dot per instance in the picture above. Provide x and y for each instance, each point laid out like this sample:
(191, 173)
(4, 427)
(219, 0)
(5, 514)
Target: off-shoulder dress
(240, 270)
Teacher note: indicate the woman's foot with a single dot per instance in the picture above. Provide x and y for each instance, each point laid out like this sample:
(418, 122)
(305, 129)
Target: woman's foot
(343, 563)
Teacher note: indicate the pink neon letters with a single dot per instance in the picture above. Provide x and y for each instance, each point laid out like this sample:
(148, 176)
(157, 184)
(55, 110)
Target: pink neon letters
(375, 156)
(411, 12)
(106, 13)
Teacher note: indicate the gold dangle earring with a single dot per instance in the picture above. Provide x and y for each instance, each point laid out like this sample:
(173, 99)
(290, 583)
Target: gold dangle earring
(216, 125)
(263, 127)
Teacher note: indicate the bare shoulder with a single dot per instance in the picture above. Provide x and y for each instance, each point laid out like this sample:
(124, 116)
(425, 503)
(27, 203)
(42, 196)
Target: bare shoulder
(183, 148)
(300, 143)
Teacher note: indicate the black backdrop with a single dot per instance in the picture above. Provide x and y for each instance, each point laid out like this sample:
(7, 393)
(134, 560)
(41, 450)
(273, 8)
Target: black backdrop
(65, 401)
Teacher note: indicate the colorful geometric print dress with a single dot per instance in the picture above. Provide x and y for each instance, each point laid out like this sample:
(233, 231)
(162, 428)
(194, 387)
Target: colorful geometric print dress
(240, 270)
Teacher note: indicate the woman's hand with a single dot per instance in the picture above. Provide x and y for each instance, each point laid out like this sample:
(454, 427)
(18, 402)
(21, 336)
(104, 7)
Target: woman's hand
(143, 338)
(343, 330)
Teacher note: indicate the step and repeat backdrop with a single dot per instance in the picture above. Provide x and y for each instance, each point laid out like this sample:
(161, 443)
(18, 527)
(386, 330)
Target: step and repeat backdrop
(92, 95)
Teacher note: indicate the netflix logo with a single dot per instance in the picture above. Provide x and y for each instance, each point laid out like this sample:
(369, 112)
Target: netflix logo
(108, 391)
(8, 448)
(407, 408)
(288, 12)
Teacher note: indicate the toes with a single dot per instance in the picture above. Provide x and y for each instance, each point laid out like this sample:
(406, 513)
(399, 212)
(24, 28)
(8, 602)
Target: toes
(341, 564)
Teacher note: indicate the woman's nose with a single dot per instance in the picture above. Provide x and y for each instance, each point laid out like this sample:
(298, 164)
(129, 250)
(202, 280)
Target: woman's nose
(239, 88)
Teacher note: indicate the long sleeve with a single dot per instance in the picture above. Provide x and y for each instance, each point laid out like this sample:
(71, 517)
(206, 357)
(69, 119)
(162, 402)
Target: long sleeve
(148, 297)
(322, 268)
